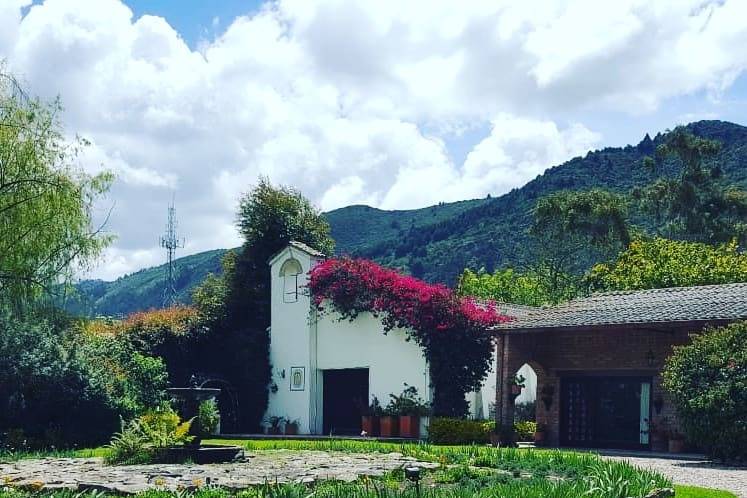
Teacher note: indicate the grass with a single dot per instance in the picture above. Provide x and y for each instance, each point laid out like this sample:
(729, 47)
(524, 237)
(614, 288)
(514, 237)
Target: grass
(464, 471)
(11, 456)
(696, 492)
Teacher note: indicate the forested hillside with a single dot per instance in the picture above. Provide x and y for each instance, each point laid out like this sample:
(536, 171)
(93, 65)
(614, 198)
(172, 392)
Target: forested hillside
(438, 242)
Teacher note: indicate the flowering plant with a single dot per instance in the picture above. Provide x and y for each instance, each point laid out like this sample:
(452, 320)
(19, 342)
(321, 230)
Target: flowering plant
(450, 329)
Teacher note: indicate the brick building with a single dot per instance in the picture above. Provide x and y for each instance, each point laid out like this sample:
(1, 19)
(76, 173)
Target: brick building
(598, 359)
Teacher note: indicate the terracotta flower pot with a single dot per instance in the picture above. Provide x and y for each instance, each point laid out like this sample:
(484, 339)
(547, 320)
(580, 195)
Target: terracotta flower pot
(291, 429)
(409, 426)
(389, 426)
(371, 425)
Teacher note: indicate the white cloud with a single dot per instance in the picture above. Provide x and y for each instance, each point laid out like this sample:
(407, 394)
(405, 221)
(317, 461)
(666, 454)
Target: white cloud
(519, 149)
(334, 96)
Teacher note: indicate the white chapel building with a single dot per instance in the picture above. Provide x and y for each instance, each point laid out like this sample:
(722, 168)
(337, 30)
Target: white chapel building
(326, 370)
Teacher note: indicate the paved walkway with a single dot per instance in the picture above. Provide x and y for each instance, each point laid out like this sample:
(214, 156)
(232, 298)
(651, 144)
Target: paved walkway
(695, 472)
(256, 468)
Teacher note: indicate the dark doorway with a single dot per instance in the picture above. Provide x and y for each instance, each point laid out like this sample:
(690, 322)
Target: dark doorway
(345, 395)
(609, 412)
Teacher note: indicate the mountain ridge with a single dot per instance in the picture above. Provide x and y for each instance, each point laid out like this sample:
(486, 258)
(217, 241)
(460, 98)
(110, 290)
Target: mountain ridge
(437, 242)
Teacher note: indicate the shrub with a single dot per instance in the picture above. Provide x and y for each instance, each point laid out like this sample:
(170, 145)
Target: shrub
(708, 383)
(407, 403)
(208, 417)
(444, 430)
(525, 430)
(141, 439)
(45, 397)
(172, 334)
(133, 382)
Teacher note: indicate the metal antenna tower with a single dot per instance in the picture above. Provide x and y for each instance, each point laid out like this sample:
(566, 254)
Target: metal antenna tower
(171, 242)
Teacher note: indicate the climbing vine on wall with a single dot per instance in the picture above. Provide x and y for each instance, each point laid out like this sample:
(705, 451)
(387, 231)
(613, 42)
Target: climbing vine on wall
(450, 330)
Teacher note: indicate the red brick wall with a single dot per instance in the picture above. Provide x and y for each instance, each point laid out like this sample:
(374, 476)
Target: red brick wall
(600, 351)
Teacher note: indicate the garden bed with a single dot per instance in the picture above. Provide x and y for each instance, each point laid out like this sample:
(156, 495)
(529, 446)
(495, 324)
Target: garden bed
(371, 468)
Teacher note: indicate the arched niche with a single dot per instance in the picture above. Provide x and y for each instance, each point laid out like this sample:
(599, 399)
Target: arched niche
(289, 272)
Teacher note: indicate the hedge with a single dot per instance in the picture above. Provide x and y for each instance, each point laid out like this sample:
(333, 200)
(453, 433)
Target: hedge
(444, 430)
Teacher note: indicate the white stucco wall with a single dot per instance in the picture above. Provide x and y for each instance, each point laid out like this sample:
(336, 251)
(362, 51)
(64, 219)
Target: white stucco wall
(290, 344)
(301, 338)
(391, 360)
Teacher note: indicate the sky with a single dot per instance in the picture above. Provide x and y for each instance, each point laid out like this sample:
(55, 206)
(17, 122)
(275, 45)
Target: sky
(393, 104)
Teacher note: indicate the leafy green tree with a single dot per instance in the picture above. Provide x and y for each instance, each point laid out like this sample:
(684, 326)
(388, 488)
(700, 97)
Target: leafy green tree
(658, 263)
(238, 303)
(529, 288)
(45, 199)
(695, 204)
(707, 380)
(570, 228)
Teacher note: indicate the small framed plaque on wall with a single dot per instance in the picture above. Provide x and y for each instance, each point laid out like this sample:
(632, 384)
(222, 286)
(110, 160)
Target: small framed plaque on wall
(297, 378)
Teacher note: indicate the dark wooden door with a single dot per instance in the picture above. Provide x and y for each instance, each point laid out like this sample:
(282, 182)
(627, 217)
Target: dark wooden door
(345, 395)
(604, 412)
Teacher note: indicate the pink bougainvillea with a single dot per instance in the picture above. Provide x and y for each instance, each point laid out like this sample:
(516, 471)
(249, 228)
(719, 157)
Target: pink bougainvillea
(450, 329)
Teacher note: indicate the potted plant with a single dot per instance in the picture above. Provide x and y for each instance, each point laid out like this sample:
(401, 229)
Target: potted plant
(540, 434)
(389, 423)
(208, 418)
(371, 418)
(409, 407)
(676, 442)
(291, 427)
(517, 385)
(274, 425)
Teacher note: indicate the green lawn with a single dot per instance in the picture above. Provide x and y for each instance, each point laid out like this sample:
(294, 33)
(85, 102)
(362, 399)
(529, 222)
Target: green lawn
(695, 492)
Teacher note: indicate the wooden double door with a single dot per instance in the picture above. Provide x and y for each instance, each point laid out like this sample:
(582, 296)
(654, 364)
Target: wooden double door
(605, 412)
(345, 396)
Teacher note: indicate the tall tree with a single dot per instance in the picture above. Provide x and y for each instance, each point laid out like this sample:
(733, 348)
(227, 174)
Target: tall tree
(658, 263)
(570, 229)
(529, 287)
(46, 228)
(696, 203)
(237, 305)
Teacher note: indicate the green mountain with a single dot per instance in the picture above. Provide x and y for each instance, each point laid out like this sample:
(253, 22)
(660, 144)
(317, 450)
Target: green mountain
(143, 289)
(436, 243)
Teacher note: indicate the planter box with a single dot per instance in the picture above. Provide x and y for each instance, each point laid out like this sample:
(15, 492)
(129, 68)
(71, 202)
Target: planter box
(371, 425)
(409, 426)
(389, 426)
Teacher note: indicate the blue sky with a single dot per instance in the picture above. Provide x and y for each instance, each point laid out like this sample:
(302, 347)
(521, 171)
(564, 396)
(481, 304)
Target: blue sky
(393, 104)
(195, 19)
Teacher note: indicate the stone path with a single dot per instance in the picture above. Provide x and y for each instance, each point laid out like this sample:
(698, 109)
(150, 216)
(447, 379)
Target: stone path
(696, 473)
(255, 468)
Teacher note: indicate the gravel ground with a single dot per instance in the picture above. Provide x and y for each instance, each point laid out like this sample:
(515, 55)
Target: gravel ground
(696, 473)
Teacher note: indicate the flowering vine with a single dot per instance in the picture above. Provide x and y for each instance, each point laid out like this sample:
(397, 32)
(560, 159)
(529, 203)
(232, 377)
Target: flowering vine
(451, 330)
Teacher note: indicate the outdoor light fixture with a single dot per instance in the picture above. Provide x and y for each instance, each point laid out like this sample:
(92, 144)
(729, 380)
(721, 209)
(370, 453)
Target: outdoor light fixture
(650, 357)
(658, 403)
(412, 474)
